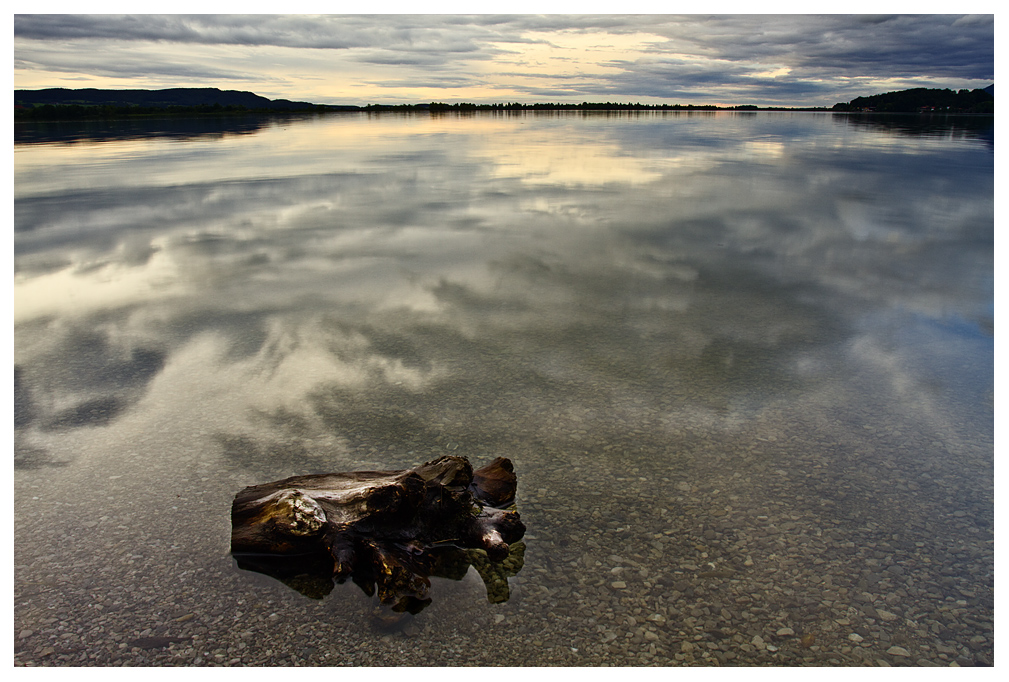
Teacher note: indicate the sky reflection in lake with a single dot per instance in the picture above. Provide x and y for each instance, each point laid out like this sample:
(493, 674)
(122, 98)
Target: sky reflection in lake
(773, 237)
(357, 291)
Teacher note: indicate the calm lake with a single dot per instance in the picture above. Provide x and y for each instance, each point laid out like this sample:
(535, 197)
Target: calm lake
(742, 363)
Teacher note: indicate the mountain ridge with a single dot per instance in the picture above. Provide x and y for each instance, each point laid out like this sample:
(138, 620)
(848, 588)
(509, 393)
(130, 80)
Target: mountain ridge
(162, 98)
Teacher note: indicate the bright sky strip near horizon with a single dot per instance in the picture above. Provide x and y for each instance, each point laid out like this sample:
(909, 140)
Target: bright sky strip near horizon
(790, 60)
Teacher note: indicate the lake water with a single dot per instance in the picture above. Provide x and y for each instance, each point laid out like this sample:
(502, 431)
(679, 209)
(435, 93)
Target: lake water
(743, 364)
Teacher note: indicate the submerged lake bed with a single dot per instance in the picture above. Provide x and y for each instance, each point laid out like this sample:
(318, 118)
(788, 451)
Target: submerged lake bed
(742, 363)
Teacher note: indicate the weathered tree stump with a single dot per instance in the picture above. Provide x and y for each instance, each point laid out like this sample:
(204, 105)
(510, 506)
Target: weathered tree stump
(388, 531)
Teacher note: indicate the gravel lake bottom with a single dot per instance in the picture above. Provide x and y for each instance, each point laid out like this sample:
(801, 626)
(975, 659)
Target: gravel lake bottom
(786, 541)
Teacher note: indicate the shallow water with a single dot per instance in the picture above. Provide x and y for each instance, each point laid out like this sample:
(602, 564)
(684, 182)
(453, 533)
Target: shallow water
(743, 364)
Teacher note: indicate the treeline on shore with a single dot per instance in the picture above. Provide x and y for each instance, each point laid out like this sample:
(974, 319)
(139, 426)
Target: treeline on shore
(925, 100)
(64, 112)
(55, 104)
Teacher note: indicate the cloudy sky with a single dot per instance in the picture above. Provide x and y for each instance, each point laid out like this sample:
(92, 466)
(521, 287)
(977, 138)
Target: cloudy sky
(773, 60)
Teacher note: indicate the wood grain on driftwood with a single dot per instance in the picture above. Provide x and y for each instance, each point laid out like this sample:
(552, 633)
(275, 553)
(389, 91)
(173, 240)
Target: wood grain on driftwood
(388, 531)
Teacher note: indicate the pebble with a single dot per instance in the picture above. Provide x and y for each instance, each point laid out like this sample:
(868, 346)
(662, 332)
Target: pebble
(898, 651)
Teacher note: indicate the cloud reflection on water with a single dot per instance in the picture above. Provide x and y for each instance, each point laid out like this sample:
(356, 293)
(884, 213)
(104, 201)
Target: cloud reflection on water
(377, 276)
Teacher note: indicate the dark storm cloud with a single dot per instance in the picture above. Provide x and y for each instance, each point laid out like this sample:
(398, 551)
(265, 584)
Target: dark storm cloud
(936, 45)
(426, 32)
(424, 40)
(329, 31)
(923, 45)
(787, 59)
(205, 29)
(819, 55)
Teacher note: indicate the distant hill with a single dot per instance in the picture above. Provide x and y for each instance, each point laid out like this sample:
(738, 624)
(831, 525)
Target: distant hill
(172, 97)
(916, 100)
(88, 103)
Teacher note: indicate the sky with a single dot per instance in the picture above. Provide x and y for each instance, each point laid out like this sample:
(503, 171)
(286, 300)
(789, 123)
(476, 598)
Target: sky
(723, 59)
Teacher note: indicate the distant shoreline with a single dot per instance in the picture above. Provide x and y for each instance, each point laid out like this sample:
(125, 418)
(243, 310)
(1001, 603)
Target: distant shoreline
(61, 104)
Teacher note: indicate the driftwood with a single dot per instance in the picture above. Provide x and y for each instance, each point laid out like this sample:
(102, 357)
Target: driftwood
(388, 531)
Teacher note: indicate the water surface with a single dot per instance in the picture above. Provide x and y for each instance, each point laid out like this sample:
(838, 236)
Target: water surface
(742, 363)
